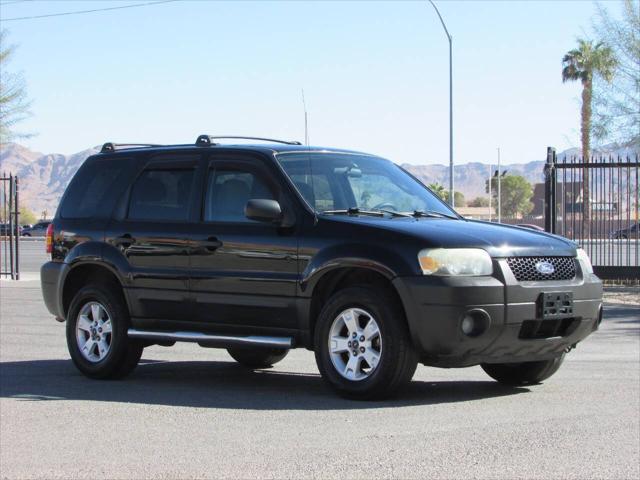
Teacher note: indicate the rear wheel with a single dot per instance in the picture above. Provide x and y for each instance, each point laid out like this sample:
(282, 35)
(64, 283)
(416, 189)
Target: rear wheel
(97, 338)
(257, 357)
(362, 344)
(525, 373)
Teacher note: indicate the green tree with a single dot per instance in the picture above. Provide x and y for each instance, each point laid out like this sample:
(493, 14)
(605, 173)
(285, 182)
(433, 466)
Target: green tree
(581, 64)
(14, 106)
(515, 194)
(458, 197)
(26, 216)
(617, 104)
(479, 202)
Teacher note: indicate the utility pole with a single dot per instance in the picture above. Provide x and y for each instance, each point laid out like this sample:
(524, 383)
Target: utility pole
(490, 191)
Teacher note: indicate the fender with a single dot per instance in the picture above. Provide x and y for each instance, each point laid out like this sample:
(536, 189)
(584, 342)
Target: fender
(381, 260)
(375, 258)
(98, 254)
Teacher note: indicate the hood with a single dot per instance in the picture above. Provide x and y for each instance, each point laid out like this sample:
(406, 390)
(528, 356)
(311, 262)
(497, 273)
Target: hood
(497, 239)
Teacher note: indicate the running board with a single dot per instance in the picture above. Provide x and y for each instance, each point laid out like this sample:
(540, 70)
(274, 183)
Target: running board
(207, 340)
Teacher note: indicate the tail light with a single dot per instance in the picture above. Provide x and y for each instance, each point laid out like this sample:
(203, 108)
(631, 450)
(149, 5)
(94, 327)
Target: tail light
(49, 238)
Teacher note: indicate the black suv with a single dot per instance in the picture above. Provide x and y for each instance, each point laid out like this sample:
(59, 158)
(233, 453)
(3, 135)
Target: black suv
(262, 248)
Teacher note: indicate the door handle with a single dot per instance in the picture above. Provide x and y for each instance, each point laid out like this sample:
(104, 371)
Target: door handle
(124, 241)
(211, 244)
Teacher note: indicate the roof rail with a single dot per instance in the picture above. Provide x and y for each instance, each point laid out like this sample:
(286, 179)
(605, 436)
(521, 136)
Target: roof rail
(207, 140)
(112, 147)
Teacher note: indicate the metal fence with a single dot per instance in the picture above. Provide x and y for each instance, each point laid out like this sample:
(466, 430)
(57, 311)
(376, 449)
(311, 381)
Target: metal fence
(596, 203)
(9, 227)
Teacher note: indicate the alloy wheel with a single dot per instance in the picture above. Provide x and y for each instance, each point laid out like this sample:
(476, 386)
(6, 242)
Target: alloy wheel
(355, 344)
(94, 331)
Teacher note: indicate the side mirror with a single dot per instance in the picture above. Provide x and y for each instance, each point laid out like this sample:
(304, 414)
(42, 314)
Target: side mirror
(263, 210)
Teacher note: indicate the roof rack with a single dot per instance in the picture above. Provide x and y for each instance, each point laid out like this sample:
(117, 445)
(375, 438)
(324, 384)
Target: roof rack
(112, 147)
(208, 140)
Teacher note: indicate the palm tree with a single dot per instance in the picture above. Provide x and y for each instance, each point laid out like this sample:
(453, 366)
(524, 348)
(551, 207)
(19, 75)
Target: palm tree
(581, 64)
(437, 189)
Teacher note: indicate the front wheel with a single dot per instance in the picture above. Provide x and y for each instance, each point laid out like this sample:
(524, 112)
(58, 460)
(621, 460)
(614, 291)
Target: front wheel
(362, 344)
(524, 373)
(257, 357)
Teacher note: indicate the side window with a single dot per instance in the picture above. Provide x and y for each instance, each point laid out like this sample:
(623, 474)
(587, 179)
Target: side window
(315, 189)
(94, 189)
(229, 190)
(161, 194)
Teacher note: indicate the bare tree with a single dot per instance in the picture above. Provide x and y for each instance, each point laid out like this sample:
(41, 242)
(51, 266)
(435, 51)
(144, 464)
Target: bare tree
(14, 105)
(616, 112)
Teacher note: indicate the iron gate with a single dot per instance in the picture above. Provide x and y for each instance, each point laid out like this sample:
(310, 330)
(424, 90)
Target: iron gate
(9, 227)
(595, 203)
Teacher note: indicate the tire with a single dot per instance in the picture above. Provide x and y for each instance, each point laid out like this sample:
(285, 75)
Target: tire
(525, 373)
(257, 357)
(26, 234)
(122, 353)
(393, 357)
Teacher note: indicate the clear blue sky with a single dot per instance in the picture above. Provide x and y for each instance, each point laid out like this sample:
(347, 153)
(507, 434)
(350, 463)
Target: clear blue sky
(375, 74)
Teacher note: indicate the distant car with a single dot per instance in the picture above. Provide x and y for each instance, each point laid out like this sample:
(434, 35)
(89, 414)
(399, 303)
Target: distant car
(531, 226)
(632, 231)
(27, 225)
(38, 230)
(5, 229)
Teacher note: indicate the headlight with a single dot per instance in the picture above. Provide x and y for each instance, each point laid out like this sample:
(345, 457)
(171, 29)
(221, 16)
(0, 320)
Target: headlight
(455, 262)
(585, 261)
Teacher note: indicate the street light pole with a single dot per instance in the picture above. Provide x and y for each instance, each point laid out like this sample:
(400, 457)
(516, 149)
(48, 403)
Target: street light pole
(499, 191)
(451, 189)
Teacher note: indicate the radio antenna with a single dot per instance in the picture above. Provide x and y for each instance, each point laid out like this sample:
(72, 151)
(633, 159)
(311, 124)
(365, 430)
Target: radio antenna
(306, 120)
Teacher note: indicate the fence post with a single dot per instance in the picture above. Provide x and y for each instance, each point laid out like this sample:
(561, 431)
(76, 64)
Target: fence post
(550, 191)
(17, 228)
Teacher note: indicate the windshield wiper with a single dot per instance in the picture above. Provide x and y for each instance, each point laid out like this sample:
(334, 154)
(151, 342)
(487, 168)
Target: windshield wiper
(393, 213)
(354, 211)
(432, 213)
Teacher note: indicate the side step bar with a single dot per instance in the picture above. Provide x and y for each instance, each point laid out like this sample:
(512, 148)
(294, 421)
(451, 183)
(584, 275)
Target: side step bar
(207, 340)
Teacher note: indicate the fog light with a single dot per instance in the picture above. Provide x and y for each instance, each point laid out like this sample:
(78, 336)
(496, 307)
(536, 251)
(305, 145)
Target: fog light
(467, 325)
(475, 322)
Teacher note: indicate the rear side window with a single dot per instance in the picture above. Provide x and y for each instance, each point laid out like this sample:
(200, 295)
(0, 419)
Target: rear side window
(95, 189)
(161, 194)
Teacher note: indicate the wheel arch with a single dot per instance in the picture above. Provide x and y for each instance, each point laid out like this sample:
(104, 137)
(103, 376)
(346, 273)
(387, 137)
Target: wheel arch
(332, 280)
(79, 275)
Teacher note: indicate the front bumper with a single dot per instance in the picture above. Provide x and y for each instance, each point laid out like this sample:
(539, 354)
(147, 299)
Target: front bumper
(436, 306)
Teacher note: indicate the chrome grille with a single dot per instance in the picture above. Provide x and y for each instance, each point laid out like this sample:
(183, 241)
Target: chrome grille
(524, 268)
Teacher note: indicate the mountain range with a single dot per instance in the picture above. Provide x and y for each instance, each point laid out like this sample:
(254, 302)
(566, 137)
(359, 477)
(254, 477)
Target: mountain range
(44, 177)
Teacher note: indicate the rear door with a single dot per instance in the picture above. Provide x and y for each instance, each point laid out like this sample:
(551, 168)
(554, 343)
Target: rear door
(243, 272)
(153, 236)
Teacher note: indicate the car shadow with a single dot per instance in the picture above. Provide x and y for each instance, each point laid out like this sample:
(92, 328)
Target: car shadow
(620, 319)
(218, 385)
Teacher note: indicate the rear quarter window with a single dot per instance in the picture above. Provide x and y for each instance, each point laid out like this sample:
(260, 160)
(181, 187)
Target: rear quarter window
(95, 188)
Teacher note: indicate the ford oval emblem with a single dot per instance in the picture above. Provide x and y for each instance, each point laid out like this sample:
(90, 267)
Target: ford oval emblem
(545, 268)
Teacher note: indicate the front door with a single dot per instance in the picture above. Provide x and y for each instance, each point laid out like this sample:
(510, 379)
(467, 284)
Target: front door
(243, 272)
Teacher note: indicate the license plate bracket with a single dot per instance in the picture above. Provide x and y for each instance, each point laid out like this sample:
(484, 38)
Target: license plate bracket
(555, 305)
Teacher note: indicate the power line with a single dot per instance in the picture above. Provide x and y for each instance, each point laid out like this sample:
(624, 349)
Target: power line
(78, 12)
(2, 4)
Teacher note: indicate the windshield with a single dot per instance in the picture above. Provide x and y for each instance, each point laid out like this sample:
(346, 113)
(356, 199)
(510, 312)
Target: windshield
(340, 181)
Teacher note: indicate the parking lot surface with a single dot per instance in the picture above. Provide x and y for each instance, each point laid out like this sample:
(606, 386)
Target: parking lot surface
(189, 412)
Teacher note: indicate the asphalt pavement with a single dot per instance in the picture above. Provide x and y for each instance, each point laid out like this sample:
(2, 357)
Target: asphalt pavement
(190, 412)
